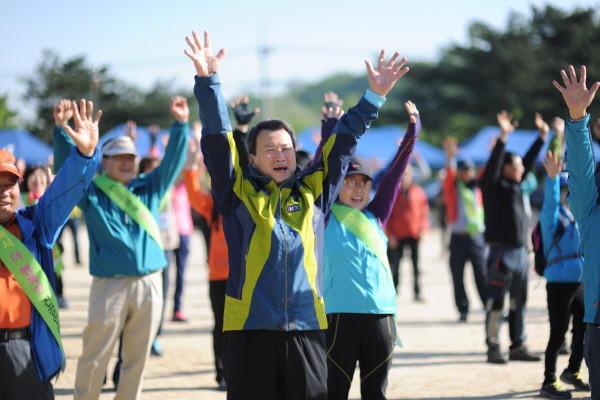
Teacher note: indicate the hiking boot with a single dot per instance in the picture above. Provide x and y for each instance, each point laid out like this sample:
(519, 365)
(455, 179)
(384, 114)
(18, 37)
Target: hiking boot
(494, 356)
(522, 354)
(554, 391)
(575, 379)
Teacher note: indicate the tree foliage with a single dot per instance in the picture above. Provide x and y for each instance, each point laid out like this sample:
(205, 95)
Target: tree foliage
(6, 116)
(74, 78)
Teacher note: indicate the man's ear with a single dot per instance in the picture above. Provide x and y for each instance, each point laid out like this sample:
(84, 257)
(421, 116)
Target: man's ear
(251, 158)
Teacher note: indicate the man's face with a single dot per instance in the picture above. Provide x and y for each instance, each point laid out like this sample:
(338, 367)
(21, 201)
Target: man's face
(121, 167)
(514, 171)
(466, 174)
(9, 195)
(355, 191)
(275, 155)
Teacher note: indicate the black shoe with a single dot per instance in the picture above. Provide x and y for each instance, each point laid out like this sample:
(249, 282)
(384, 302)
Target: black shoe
(494, 356)
(222, 385)
(522, 354)
(463, 316)
(575, 379)
(554, 391)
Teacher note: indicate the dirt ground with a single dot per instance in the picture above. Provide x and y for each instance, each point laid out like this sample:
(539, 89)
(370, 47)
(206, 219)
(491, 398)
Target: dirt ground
(441, 358)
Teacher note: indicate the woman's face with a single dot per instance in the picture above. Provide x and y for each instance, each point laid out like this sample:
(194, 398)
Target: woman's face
(37, 182)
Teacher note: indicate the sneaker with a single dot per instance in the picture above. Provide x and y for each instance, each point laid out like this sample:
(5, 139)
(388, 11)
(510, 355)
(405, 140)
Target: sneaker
(554, 391)
(463, 316)
(494, 356)
(575, 379)
(179, 317)
(522, 354)
(156, 350)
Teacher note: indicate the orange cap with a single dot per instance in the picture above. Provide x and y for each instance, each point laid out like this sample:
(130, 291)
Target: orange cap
(9, 164)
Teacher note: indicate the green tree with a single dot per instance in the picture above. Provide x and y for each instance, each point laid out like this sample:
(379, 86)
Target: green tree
(74, 78)
(6, 115)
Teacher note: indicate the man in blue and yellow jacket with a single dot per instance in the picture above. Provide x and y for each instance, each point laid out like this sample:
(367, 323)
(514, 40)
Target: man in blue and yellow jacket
(273, 219)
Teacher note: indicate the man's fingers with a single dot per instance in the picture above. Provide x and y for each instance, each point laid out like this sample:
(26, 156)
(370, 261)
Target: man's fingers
(583, 75)
(98, 116)
(370, 70)
(558, 87)
(381, 58)
(76, 115)
(206, 40)
(392, 61)
(197, 40)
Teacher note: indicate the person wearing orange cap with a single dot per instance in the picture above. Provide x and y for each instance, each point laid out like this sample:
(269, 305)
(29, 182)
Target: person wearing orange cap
(31, 352)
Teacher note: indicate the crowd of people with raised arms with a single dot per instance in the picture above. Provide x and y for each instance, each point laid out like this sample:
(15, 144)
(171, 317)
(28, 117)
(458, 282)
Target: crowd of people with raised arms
(304, 250)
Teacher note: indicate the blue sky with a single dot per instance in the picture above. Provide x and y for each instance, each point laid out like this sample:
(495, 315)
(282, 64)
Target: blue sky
(143, 41)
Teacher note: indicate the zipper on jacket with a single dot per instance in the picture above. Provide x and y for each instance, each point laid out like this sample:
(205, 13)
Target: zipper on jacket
(285, 266)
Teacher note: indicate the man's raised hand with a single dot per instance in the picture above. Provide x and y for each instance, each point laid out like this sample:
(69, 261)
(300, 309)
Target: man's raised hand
(577, 96)
(205, 61)
(85, 135)
(383, 78)
(179, 109)
(62, 112)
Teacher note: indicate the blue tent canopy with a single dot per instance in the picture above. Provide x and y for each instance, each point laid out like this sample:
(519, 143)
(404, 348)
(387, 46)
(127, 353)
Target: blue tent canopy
(479, 146)
(380, 143)
(26, 146)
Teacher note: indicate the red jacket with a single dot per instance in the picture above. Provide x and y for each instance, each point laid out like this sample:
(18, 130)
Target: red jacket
(410, 214)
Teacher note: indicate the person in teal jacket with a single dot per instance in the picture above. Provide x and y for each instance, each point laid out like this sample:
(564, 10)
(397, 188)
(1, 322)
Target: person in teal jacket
(359, 291)
(125, 259)
(273, 218)
(584, 187)
(30, 355)
(563, 273)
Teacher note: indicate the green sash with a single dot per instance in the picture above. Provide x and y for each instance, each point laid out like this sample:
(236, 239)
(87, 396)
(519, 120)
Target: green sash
(358, 223)
(130, 204)
(473, 211)
(34, 282)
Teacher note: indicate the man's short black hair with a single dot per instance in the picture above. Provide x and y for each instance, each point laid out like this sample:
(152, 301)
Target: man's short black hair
(269, 125)
(509, 157)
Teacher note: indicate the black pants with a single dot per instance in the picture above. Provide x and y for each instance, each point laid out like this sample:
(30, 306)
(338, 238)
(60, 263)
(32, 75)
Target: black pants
(395, 256)
(465, 248)
(270, 365)
(216, 291)
(18, 377)
(564, 299)
(366, 338)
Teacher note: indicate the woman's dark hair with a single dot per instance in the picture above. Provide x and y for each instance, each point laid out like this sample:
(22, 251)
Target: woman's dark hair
(268, 125)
